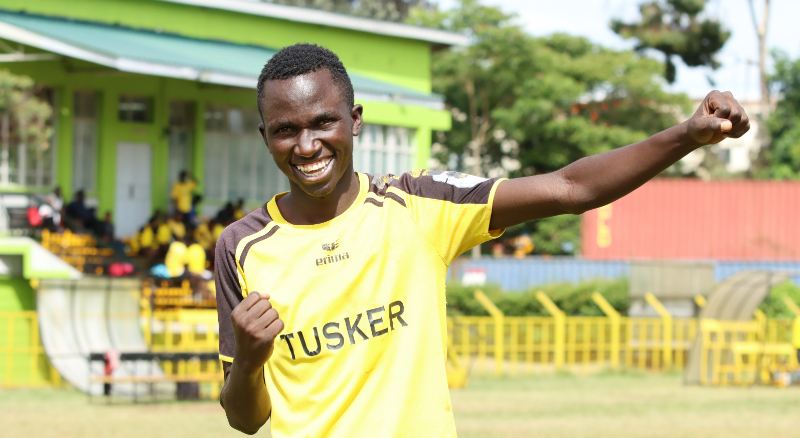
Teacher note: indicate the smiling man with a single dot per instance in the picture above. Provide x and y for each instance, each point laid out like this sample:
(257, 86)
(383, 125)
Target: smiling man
(331, 297)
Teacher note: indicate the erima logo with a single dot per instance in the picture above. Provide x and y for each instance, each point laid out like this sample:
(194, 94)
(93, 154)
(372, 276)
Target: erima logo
(331, 246)
(374, 320)
(332, 258)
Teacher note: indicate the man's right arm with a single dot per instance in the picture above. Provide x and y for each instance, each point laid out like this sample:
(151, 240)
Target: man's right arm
(244, 397)
(248, 326)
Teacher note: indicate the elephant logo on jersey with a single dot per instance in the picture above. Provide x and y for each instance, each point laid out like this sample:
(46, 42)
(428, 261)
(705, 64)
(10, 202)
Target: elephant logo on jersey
(330, 247)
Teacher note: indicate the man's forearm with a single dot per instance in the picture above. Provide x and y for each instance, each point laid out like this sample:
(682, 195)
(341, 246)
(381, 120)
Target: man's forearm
(600, 179)
(245, 399)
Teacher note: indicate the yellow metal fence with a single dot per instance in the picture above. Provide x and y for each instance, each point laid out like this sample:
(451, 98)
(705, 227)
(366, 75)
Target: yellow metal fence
(23, 362)
(733, 352)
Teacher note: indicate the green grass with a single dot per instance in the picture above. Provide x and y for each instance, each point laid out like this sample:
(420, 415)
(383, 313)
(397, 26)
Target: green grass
(597, 406)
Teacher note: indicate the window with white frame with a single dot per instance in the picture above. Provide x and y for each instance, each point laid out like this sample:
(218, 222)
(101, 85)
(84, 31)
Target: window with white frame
(25, 163)
(384, 149)
(181, 126)
(84, 141)
(237, 163)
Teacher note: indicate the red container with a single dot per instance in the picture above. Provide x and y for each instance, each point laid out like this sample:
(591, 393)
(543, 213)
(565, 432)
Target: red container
(693, 219)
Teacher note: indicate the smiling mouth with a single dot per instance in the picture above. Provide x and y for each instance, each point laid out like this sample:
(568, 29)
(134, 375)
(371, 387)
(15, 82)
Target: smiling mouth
(314, 169)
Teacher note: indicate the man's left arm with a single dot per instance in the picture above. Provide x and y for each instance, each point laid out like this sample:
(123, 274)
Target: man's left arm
(600, 179)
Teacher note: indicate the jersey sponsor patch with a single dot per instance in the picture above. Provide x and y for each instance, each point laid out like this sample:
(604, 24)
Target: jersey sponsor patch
(374, 321)
(458, 179)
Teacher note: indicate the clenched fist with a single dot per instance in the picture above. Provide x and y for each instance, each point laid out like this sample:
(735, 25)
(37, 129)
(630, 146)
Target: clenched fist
(255, 326)
(719, 116)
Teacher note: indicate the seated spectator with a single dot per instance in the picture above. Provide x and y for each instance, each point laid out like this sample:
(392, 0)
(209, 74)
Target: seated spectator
(238, 212)
(217, 230)
(107, 229)
(177, 226)
(55, 200)
(52, 217)
(202, 234)
(148, 246)
(79, 214)
(163, 234)
(175, 260)
(225, 214)
(196, 258)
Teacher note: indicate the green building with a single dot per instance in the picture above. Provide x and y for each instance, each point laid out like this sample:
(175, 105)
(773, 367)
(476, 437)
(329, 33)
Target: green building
(143, 89)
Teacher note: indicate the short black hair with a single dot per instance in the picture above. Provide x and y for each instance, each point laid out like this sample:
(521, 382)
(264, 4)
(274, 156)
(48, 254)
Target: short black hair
(300, 59)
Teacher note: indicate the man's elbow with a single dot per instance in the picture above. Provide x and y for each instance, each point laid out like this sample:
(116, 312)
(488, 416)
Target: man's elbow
(248, 429)
(574, 198)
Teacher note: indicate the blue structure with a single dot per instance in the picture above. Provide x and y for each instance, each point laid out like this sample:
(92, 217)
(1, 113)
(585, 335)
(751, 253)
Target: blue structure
(521, 274)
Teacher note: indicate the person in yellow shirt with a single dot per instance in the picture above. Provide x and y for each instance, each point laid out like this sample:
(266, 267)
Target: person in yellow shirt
(175, 260)
(177, 226)
(217, 230)
(202, 234)
(331, 297)
(238, 211)
(182, 194)
(196, 258)
(163, 234)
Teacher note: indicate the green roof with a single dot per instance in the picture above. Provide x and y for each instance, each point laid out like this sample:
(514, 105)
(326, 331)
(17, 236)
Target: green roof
(164, 54)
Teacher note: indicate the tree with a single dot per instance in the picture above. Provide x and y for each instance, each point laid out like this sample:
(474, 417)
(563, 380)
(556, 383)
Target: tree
(783, 155)
(23, 117)
(523, 105)
(675, 28)
(761, 32)
(388, 10)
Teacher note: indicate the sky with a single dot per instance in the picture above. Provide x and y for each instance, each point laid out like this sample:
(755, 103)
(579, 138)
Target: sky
(738, 74)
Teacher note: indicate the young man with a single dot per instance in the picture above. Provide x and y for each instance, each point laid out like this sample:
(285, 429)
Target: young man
(331, 297)
(182, 195)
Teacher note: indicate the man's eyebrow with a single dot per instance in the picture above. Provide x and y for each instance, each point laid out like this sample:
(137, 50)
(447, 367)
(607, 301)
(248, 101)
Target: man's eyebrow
(278, 124)
(323, 116)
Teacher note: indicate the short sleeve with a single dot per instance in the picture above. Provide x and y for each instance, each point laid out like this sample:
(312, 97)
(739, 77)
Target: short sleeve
(229, 292)
(451, 209)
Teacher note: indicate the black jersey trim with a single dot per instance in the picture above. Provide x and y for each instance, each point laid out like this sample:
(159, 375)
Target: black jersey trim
(253, 242)
(396, 198)
(373, 201)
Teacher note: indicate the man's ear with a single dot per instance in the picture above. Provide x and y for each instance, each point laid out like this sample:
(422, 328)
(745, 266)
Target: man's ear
(263, 130)
(357, 113)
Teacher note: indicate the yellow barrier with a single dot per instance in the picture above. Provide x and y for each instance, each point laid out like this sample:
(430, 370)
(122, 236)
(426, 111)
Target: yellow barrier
(745, 352)
(22, 359)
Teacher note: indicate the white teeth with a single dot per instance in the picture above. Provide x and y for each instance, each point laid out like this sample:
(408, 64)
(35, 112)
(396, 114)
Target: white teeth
(314, 169)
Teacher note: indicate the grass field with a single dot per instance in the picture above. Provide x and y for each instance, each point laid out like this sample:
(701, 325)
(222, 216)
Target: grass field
(606, 405)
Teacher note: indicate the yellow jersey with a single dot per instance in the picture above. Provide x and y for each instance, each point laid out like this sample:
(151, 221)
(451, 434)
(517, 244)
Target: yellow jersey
(203, 236)
(178, 229)
(175, 260)
(363, 301)
(147, 238)
(195, 258)
(182, 195)
(163, 234)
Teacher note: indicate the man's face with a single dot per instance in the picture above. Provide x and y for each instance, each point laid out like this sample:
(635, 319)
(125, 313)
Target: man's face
(309, 128)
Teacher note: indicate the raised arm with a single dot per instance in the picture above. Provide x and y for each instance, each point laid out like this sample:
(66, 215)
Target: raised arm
(600, 179)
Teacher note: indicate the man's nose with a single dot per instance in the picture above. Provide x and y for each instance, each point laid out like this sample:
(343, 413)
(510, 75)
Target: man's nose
(308, 144)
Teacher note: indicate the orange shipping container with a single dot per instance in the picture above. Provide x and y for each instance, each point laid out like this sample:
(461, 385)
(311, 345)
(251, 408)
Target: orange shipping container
(693, 219)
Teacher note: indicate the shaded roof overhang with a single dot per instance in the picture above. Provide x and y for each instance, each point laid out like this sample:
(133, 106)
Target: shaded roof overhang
(169, 55)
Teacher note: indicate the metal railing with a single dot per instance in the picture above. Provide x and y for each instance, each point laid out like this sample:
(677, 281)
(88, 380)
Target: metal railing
(23, 362)
(732, 352)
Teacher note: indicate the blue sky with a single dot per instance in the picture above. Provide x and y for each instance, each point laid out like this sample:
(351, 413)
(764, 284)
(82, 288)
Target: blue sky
(590, 18)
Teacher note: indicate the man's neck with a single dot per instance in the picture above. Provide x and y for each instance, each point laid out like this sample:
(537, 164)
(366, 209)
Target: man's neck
(298, 208)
